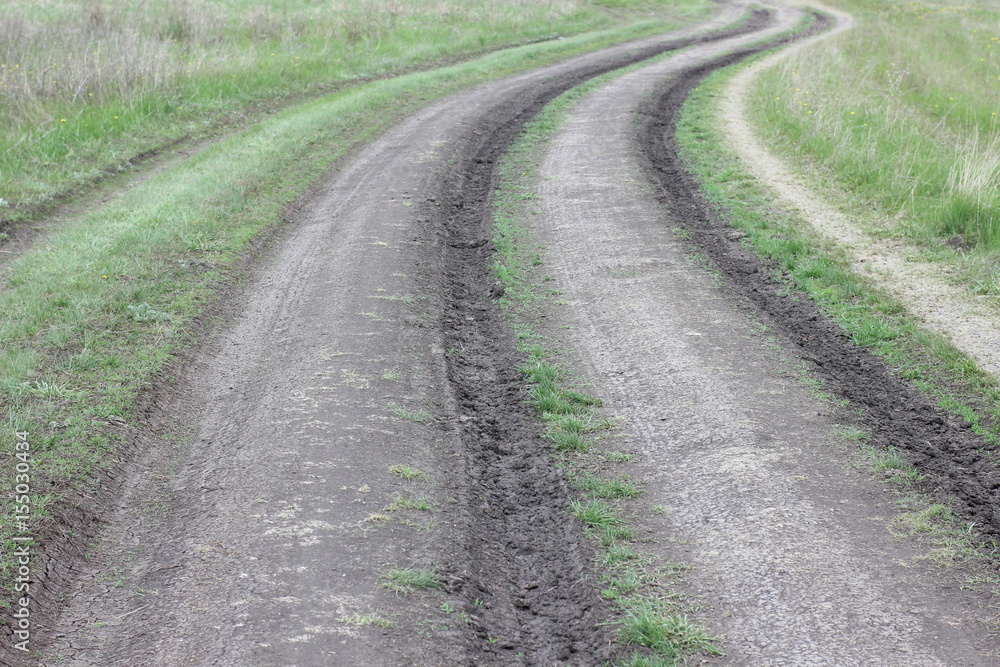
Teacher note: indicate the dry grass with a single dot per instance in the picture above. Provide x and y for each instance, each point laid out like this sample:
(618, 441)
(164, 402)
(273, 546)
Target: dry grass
(902, 109)
(113, 50)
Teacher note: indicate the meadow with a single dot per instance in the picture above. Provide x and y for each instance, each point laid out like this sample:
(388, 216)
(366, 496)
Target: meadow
(902, 112)
(88, 87)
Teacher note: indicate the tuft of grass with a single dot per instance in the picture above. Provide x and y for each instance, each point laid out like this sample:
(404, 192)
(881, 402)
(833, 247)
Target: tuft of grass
(672, 636)
(646, 624)
(620, 487)
(602, 522)
(419, 415)
(365, 619)
(890, 462)
(405, 503)
(409, 580)
(409, 473)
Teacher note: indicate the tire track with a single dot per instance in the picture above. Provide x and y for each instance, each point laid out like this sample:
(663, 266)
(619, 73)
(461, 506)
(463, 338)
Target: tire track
(389, 264)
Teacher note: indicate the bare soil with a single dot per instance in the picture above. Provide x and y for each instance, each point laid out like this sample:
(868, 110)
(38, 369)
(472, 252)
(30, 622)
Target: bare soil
(260, 510)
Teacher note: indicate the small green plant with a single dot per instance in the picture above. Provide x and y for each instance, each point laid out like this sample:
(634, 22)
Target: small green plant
(647, 624)
(144, 313)
(890, 462)
(365, 619)
(409, 580)
(419, 416)
(404, 503)
(619, 487)
(409, 472)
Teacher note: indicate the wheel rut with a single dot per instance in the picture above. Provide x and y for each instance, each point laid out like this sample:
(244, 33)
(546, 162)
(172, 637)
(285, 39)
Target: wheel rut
(261, 511)
(941, 445)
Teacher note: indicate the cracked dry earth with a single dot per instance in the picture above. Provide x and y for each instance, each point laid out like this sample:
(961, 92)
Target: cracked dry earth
(370, 340)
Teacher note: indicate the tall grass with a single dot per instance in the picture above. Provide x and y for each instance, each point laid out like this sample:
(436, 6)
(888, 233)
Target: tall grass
(86, 86)
(902, 110)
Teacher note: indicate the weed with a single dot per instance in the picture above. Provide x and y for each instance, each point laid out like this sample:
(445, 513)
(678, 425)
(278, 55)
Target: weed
(891, 462)
(419, 416)
(646, 624)
(145, 313)
(365, 619)
(409, 472)
(619, 487)
(409, 580)
(404, 503)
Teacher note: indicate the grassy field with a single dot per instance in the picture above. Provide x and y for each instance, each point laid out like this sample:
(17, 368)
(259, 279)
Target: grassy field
(902, 111)
(88, 85)
(97, 310)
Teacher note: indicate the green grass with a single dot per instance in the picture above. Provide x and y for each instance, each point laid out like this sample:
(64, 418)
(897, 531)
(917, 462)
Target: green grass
(891, 463)
(671, 635)
(880, 111)
(89, 87)
(409, 580)
(602, 487)
(365, 619)
(419, 415)
(409, 472)
(99, 309)
(406, 503)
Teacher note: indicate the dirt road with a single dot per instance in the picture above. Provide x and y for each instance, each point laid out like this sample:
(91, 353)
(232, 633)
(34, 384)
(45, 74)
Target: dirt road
(360, 417)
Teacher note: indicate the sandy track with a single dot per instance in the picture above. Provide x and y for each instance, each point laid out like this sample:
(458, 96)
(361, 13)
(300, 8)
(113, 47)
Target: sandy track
(370, 340)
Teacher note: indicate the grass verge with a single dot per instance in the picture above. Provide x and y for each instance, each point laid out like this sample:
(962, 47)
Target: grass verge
(646, 615)
(95, 313)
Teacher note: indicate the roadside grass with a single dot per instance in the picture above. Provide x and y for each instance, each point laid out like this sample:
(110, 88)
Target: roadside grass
(872, 318)
(98, 310)
(880, 111)
(88, 88)
(647, 615)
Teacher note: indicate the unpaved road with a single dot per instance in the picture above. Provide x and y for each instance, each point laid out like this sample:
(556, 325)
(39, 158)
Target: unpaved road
(257, 532)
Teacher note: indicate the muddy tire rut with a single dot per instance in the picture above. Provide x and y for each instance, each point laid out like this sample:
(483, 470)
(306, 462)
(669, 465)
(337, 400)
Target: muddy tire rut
(360, 416)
